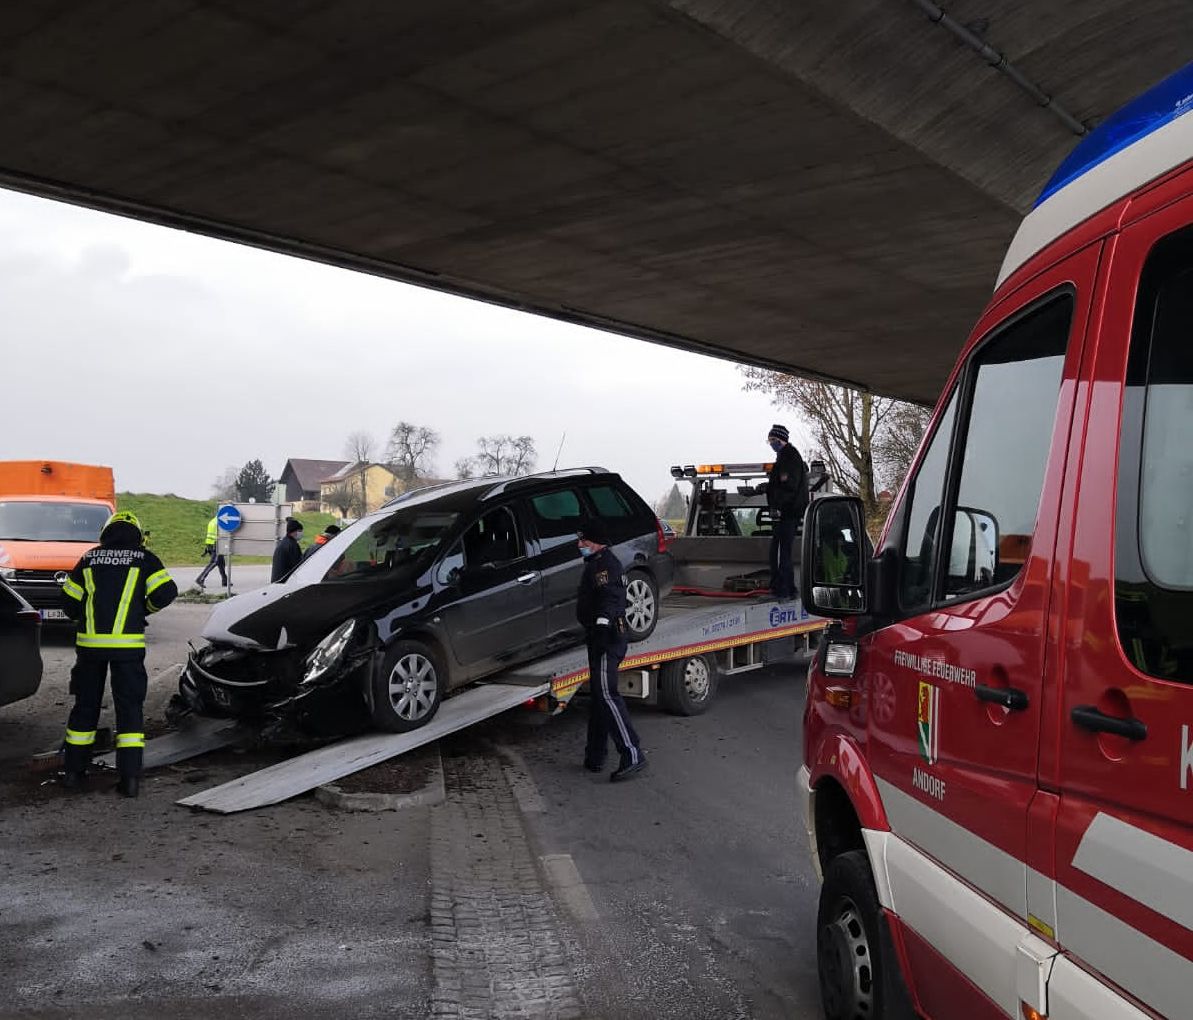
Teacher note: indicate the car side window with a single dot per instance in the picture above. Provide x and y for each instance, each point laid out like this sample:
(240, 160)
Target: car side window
(1153, 568)
(557, 517)
(493, 540)
(1014, 387)
(608, 502)
(923, 500)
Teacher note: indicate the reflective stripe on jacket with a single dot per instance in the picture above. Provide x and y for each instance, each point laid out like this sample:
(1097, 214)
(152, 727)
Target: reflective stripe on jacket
(110, 593)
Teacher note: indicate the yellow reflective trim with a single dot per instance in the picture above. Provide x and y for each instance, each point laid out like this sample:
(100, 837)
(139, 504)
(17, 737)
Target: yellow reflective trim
(126, 598)
(155, 581)
(72, 589)
(130, 740)
(110, 640)
(89, 583)
(80, 738)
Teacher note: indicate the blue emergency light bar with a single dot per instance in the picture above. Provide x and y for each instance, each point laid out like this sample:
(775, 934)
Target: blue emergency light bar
(1159, 105)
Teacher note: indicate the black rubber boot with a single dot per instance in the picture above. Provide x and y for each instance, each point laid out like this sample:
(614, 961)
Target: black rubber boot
(129, 786)
(73, 780)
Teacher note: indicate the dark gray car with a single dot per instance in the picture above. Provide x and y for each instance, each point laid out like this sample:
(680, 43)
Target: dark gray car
(20, 647)
(440, 588)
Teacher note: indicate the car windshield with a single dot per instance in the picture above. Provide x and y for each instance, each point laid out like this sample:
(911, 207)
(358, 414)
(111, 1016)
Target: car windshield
(380, 547)
(45, 521)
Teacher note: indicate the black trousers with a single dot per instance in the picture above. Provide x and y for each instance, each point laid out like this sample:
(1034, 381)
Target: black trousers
(782, 569)
(607, 713)
(129, 684)
(216, 561)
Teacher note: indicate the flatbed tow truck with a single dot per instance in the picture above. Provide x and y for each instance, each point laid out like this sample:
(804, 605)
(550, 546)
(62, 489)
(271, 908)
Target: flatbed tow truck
(719, 621)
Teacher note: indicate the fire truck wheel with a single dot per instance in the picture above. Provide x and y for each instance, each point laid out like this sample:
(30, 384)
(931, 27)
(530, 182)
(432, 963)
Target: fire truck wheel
(408, 687)
(642, 604)
(688, 686)
(859, 972)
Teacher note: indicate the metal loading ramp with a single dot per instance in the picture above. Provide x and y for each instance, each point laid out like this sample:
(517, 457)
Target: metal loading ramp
(306, 771)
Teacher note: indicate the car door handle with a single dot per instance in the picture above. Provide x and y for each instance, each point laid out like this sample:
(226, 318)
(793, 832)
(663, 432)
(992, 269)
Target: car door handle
(1090, 718)
(528, 578)
(1008, 697)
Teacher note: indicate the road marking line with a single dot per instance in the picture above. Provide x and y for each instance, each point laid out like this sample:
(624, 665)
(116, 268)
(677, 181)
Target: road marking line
(564, 877)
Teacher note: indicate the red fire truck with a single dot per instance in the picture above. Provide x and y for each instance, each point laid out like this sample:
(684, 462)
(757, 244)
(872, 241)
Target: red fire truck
(999, 727)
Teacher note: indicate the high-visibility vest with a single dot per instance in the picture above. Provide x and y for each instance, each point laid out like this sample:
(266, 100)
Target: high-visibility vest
(212, 531)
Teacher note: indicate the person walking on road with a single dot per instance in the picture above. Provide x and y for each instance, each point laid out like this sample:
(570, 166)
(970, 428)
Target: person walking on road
(600, 608)
(211, 548)
(109, 594)
(787, 496)
(287, 554)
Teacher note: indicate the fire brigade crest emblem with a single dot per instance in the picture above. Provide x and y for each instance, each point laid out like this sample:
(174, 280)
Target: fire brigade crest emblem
(928, 722)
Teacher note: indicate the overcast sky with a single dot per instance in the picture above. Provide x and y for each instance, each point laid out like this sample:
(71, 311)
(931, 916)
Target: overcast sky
(172, 356)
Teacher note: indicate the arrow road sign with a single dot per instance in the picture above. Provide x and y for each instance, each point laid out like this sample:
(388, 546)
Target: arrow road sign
(228, 518)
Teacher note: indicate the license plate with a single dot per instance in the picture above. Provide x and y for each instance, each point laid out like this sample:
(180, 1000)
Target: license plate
(53, 614)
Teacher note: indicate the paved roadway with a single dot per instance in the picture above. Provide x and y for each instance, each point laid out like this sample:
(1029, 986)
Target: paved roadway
(536, 890)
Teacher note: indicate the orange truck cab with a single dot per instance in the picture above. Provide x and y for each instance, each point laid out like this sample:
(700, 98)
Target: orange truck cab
(51, 512)
(998, 733)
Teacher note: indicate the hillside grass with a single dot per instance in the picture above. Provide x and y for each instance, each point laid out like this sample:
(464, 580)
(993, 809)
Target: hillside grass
(178, 527)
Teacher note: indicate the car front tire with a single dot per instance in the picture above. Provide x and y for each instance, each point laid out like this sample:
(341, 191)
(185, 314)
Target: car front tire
(408, 689)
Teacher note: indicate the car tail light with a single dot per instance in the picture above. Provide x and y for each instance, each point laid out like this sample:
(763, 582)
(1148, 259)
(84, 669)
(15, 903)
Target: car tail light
(658, 526)
(29, 616)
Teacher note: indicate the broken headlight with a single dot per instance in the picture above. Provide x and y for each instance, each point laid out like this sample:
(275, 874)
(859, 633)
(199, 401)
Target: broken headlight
(327, 654)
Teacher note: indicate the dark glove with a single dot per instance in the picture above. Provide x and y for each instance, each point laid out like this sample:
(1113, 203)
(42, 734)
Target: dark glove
(761, 487)
(206, 550)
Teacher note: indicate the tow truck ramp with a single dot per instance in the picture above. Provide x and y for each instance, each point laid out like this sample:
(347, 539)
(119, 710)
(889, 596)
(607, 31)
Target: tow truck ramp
(327, 764)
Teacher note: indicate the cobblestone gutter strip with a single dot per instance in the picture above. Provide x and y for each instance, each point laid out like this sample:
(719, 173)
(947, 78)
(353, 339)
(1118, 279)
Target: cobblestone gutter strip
(498, 945)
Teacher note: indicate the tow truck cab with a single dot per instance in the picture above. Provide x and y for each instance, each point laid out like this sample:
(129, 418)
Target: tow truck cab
(998, 734)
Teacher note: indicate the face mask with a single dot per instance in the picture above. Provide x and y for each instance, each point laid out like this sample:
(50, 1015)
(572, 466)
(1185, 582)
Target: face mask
(298, 536)
(585, 551)
(775, 445)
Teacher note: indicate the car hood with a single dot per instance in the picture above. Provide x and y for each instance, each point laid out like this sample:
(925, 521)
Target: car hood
(285, 614)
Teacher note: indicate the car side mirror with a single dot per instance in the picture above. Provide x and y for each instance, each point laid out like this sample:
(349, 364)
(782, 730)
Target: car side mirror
(833, 565)
(973, 553)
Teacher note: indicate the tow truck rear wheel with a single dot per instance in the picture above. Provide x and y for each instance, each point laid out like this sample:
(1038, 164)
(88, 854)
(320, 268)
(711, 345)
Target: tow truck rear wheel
(408, 687)
(688, 686)
(641, 604)
(859, 972)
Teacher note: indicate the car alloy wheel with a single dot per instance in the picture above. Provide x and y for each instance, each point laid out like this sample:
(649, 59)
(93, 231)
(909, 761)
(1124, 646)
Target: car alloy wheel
(640, 604)
(412, 686)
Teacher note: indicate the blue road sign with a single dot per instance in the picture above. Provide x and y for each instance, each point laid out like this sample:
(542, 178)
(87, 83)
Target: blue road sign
(228, 518)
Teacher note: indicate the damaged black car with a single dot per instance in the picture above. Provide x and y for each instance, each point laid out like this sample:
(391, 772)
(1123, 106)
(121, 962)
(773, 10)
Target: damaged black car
(442, 587)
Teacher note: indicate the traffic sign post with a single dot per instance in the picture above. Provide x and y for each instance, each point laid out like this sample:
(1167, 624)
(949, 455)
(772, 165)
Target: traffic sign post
(250, 529)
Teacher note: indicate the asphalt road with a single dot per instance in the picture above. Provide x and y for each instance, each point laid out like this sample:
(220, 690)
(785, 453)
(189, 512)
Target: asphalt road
(535, 889)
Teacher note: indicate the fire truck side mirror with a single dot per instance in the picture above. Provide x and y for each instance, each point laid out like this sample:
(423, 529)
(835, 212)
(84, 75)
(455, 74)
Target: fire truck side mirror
(833, 575)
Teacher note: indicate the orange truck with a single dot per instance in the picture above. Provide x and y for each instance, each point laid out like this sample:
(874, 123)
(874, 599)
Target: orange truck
(51, 512)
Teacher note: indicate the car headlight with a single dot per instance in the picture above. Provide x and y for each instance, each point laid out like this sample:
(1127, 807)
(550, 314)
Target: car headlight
(328, 652)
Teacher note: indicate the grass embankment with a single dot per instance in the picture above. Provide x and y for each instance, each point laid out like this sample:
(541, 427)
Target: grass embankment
(178, 527)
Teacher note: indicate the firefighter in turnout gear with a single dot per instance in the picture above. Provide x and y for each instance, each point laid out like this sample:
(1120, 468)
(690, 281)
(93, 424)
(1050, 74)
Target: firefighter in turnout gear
(600, 608)
(109, 594)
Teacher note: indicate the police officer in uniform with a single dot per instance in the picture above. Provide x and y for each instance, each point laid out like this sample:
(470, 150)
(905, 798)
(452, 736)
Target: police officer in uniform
(109, 594)
(600, 608)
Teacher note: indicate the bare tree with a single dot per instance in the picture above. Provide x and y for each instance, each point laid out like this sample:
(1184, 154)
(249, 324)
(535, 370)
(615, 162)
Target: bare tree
(343, 497)
(863, 439)
(465, 468)
(411, 451)
(505, 455)
(223, 489)
(360, 446)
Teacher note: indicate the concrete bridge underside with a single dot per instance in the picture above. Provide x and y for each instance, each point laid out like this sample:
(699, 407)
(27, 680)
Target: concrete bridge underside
(819, 187)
